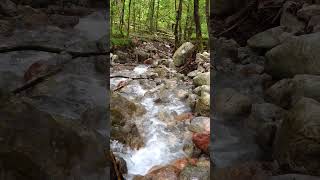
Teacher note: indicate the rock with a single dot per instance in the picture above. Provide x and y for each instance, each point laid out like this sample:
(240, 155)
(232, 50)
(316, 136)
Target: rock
(68, 149)
(281, 93)
(122, 57)
(200, 89)
(193, 74)
(184, 117)
(182, 163)
(6, 28)
(297, 55)
(288, 91)
(202, 106)
(230, 103)
(264, 120)
(227, 7)
(289, 19)
(200, 124)
(63, 21)
(202, 79)
(184, 51)
(314, 24)
(101, 64)
(164, 173)
(226, 48)
(296, 144)
(294, 176)
(309, 11)
(141, 55)
(8, 8)
(202, 141)
(195, 172)
(269, 38)
(250, 69)
(122, 165)
(191, 100)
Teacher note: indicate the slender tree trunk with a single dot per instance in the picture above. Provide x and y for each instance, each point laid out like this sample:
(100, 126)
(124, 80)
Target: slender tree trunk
(151, 15)
(198, 25)
(187, 22)
(176, 29)
(128, 28)
(122, 16)
(134, 15)
(157, 18)
(208, 13)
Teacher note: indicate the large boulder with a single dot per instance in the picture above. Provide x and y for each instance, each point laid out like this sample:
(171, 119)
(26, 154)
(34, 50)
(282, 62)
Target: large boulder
(203, 104)
(269, 38)
(184, 51)
(230, 103)
(297, 141)
(45, 146)
(289, 19)
(199, 171)
(297, 55)
(309, 11)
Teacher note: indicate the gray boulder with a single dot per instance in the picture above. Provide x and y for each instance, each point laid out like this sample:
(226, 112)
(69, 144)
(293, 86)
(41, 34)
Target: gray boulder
(185, 50)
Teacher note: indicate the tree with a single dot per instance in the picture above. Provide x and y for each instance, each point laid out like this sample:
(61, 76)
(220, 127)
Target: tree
(177, 25)
(198, 25)
(128, 28)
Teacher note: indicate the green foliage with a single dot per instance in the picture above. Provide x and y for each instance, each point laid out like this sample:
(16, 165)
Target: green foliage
(163, 20)
(121, 42)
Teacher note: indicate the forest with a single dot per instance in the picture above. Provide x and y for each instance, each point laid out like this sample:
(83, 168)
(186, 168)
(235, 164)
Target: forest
(178, 20)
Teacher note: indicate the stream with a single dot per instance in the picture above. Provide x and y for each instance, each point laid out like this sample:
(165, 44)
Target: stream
(163, 143)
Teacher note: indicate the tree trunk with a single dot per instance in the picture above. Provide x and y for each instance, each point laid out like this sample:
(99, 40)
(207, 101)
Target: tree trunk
(208, 14)
(198, 25)
(128, 28)
(157, 18)
(185, 37)
(151, 15)
(134, 15)
(176, 29)
(122, 16)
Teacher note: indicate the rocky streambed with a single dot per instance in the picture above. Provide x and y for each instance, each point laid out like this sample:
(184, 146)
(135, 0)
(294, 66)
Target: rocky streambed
(160, 123)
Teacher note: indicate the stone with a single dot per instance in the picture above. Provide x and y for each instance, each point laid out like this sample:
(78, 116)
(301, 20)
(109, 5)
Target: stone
(226, 48)
(68, 148)
(269, 38)
(289, 19)
(281, 93)
(200, 89)
(202, 106)
(294, 176)
(298, 55)
(163, 173)
(195, 172)
(183, 52)
(296, 144)
(230, 103)
(199, 124)
(228, 7)
(202, 79)
(6, 28)
(264, 120)
(309, 11)
(202, 141)
(314, 24)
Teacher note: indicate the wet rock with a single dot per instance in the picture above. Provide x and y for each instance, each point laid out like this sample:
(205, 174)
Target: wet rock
(63, 21)
(309, 11)
(250, 69)
(264, 120)
(184, 117)
(50, 39)
(8, 8)
(195, 172)
(68, 149)
(297, 55)
(281, 93)
(230, 103)
(184, 51)
(202, 141)
(202, 79)
(202, 106)
(200, 124)
(141, 55)
(296, 144)
(289, 19)
(191, 100)
(269, 38)
(164, 173)
(121, 163)
(182, 163)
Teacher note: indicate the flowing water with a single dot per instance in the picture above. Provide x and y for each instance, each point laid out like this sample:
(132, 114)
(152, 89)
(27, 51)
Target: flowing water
(163, 143)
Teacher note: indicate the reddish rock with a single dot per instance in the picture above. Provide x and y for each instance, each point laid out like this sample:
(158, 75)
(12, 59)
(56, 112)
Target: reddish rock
(182, 163)
(148, 61)
(201, 140)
